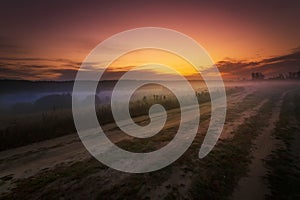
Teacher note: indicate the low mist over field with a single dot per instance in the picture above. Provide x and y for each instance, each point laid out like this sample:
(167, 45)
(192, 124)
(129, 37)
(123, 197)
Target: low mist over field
(259, 113)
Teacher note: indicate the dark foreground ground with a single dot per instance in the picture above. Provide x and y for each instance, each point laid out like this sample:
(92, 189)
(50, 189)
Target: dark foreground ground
(257, 157)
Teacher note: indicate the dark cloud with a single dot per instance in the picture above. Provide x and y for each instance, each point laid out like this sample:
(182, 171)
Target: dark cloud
(293, 56)
(64, 69)
(37, 68)
(39, 59)
(270, 66)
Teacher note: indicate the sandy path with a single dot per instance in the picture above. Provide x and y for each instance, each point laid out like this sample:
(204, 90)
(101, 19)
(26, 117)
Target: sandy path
(253, 186)
(29, 160)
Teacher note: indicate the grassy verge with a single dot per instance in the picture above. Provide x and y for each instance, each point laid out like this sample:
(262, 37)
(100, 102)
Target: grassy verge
(27, 128)
(212, 178)
(284, 175)
(30, 187)
(220, 171)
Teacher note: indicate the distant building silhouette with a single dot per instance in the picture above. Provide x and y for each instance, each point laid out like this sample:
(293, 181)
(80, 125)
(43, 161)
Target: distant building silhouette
(279, 76)
(257, 76)
(294, 75)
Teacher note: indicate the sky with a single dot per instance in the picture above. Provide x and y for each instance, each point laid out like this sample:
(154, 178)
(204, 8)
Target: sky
(48, 40)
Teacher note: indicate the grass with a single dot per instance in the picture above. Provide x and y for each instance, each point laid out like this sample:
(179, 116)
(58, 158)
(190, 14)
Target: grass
(22, 129)
(229, 160)
(213, 177)
(26, 129)
(206, 183)
(284, 175)
(73, 173)
(82, 176)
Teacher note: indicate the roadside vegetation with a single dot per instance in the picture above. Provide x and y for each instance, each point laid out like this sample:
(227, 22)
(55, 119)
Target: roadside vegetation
(213, 177)
(284, 162)
(51, 117)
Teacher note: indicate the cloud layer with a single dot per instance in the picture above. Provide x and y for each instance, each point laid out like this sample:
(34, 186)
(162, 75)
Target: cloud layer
(240, 69)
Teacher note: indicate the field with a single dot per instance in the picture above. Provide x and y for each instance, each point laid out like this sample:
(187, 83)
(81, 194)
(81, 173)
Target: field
(256, 157)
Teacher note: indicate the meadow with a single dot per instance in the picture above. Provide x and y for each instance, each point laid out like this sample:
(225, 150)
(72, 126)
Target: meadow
(260, 118)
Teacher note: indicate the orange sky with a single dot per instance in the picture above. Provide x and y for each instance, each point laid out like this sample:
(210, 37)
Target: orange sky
(53, 38)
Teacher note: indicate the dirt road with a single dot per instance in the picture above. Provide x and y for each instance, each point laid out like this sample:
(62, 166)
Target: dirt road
(253, 186)
(29, 160)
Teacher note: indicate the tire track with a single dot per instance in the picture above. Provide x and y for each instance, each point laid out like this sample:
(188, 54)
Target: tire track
(253, 186)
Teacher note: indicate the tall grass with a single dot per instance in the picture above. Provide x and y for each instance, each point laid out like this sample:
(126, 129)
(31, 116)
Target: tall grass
(23, 129)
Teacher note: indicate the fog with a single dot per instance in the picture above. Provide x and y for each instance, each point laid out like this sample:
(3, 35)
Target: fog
(58, 96)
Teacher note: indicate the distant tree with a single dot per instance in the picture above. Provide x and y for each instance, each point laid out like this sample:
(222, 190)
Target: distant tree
(53, 102)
